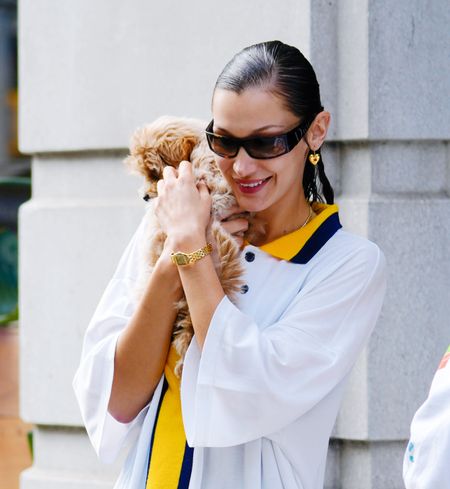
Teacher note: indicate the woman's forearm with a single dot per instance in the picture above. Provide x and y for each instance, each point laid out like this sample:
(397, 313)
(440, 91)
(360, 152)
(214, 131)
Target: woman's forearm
(184, 212)
(142, 347)
(201, 286)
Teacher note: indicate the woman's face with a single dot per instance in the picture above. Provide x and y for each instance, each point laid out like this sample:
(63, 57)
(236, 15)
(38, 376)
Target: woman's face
(262, 186)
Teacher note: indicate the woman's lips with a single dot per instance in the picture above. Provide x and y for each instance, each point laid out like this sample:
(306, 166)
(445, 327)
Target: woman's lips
(251, 186)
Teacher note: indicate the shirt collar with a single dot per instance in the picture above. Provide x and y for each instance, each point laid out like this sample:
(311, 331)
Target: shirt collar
(301, 245)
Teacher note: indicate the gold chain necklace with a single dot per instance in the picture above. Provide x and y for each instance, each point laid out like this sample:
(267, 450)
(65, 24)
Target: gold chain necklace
(310, 215)
(308, 218)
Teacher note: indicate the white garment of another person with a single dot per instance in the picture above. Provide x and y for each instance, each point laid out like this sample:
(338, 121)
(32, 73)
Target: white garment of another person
(261, 398)
(426, 463)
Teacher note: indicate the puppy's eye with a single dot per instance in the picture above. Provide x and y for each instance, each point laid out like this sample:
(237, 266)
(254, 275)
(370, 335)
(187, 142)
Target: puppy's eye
(154, 174)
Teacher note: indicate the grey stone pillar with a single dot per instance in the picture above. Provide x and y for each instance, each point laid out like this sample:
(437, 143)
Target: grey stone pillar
(90, 72)
(386, 69)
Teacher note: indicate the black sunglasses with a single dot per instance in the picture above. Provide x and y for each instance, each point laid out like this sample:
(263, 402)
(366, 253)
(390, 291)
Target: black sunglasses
(261, 147)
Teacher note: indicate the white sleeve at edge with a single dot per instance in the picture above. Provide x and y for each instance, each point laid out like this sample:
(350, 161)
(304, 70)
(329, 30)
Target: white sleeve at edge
(93, 379)
(426, 463)
(247, 383)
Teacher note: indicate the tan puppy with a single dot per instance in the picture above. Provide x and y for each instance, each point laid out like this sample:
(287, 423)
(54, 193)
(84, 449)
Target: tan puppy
(168, 141)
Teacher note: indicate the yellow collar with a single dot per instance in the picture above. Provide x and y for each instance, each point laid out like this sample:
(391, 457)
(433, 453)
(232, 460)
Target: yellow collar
(301, 245)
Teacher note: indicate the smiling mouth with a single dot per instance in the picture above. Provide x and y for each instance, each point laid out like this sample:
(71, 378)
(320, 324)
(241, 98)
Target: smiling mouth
(251, 186)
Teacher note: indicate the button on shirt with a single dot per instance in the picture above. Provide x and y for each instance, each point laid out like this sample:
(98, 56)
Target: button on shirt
(260, 400)
(244, 289)
(249, 256)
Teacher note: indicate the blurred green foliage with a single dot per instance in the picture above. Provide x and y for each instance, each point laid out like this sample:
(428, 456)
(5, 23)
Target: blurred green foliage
(14, 191)
(8, 276)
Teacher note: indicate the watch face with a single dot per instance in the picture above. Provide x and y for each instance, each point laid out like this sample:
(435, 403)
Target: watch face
(181, 258)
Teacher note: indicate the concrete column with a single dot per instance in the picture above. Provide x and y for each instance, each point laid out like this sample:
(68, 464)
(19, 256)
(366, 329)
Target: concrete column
(391, 132)
(91, 72)
(72, 232)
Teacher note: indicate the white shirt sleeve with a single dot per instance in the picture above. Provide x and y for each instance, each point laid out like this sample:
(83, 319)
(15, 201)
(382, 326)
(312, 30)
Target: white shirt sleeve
(93, 379)
(247, 383)
(426, 463)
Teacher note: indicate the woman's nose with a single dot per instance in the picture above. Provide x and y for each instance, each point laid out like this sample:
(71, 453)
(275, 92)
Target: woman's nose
(244, 165)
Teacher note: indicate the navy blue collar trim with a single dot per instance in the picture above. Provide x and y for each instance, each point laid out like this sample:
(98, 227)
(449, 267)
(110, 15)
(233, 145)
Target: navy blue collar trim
(325, 231)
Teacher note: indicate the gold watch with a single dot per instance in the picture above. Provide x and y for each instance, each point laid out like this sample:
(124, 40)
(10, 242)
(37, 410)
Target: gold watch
(181, 259)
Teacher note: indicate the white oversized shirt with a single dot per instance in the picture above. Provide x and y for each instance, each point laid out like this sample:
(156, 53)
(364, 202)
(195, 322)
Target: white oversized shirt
(260, 400)
(426, 463)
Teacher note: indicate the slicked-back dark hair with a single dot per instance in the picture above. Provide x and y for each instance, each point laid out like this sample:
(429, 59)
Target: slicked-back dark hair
(285, 72)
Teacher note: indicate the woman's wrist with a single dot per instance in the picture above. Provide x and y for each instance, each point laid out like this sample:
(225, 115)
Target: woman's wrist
(167, 272)
(187, 242)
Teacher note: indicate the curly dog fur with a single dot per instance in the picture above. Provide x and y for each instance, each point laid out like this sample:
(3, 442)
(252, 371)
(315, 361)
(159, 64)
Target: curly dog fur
(168, 141)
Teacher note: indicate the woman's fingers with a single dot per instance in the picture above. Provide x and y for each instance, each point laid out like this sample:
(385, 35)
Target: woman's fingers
(229, 213)
(236, 226)
(185, 170)
(202, 188)
(183, 207)
(239, 240)
(169, 173)
(204, 195)
(160, 186)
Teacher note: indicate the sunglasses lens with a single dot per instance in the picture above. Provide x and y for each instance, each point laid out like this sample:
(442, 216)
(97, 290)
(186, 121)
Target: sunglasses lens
(222, 146)
(265, 148)
(257, 147)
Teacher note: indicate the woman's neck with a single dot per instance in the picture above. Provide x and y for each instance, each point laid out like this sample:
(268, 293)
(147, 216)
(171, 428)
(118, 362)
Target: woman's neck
(282, 220)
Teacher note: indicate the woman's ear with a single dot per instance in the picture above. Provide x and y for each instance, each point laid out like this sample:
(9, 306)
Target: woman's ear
(318, 130)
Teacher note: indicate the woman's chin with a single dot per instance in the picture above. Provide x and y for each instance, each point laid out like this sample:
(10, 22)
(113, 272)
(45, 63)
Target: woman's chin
(250, 206)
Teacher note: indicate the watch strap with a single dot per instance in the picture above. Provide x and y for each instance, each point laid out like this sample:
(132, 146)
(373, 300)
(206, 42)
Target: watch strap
(182, 259)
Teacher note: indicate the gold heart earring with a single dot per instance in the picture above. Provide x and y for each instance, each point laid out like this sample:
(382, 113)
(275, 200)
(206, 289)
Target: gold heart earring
(314, 158)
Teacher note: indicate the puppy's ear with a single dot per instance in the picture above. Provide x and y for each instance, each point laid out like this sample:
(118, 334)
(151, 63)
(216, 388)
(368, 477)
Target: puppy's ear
(175, 148)
(145, 160)
(165, 142)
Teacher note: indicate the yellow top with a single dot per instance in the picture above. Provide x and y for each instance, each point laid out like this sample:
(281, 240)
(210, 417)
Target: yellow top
(170, 458)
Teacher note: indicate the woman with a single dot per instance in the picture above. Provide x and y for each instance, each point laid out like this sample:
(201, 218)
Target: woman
(263, 379)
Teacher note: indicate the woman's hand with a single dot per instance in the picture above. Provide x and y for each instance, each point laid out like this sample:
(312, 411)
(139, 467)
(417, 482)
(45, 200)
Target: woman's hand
(235, 224)
(183, 208)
